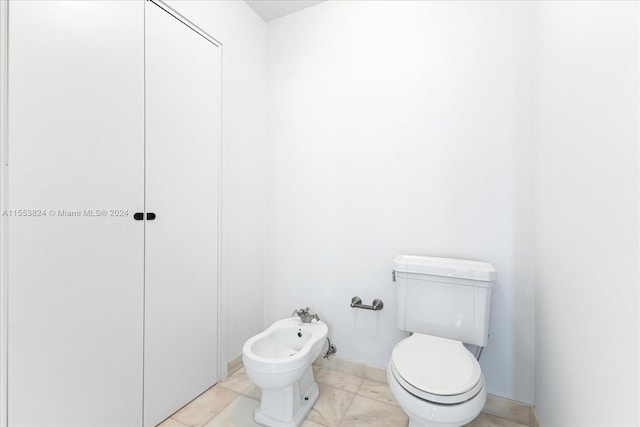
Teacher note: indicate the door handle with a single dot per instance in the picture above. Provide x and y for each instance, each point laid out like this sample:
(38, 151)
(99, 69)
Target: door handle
(139, 216)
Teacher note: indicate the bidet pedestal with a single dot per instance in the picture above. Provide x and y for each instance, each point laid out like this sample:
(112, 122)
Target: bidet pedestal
(288, 406)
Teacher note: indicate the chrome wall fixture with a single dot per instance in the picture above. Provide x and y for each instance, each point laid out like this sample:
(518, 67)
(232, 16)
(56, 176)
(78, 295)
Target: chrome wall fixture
(331, 350)
(377, 304)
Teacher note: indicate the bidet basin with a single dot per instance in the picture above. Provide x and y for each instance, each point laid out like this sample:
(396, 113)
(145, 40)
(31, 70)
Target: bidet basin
(285, 342)
(287, 346)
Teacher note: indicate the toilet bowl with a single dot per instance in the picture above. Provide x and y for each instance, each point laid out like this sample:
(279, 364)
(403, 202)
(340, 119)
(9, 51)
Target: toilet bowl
(278, 360)
(436, 381)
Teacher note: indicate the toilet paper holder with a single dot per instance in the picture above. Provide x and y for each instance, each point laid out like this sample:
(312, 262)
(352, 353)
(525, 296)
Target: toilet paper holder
(377, 304)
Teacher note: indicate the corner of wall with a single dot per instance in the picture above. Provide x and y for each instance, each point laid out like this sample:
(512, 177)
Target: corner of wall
(3, 204)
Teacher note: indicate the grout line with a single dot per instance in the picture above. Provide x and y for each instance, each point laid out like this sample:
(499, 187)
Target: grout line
(216, 414)
(221, 410)
(235, 391)
(246, 395)
(353, 395)
(347, 410)
(221, 384)
(515, 423)
(175, 420)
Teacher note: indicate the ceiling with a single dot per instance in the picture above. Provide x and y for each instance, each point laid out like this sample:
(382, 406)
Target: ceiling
(272, 9)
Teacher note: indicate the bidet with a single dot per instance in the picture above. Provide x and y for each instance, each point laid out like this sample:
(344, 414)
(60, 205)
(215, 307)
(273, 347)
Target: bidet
(278, 360)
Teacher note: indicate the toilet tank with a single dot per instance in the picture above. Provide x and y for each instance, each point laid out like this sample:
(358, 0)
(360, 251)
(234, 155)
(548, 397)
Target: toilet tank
(449, 298)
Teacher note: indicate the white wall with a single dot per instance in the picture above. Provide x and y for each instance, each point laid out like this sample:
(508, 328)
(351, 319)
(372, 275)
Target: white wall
(243, 36)
(401, 128)
(586, 199)
(407, 128)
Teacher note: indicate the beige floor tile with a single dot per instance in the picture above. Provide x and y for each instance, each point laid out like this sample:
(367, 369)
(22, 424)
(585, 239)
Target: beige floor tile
(253, 392)
(307, 423)
(237, 382)
(238, 413)
(205, 406)
(337, 379)
(170, 422)
(331, 406)
(365, 412)
(377, 391)
(486, 420)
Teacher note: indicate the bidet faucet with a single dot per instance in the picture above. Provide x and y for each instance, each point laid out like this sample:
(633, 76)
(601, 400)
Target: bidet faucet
(304, 315)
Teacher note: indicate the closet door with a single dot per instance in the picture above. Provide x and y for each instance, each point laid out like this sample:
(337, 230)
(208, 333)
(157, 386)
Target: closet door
(75, 290)
(182, 145)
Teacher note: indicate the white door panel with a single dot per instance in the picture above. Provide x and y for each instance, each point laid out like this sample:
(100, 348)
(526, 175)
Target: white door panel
(76, 132)
(182, 146)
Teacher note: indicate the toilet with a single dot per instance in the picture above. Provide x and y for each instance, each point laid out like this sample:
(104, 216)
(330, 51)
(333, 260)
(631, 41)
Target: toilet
(278, 360)
(443, 303)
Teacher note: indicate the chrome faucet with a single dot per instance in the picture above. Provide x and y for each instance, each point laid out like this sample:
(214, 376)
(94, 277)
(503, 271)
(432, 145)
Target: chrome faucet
(304, 315)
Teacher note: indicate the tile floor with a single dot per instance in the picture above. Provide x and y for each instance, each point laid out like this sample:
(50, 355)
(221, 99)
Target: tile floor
(345, 401)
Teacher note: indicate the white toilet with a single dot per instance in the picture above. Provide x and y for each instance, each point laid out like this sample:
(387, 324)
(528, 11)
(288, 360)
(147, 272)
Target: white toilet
(278, 360)
(443, 303)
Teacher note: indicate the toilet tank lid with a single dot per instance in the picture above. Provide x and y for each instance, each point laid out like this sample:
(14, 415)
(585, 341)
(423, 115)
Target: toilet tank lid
(447, 267)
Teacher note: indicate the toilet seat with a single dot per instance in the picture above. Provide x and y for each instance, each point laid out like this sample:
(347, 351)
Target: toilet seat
(436, 369)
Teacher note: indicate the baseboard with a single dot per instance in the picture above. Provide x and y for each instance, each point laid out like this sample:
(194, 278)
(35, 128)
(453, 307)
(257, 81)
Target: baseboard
(508, 409)
(234, 364)
(511, 410)
(370, 372)
(535, 420)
